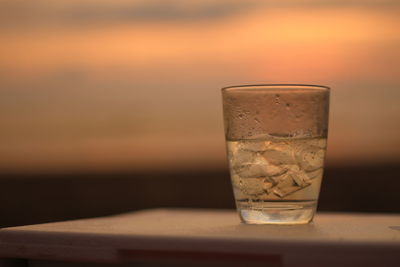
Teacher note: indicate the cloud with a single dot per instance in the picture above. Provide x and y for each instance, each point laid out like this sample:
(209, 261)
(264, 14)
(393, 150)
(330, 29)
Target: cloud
(64, 13)
(98, 12)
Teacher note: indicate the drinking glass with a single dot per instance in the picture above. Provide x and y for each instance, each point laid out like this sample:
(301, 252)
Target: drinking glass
(276, 138)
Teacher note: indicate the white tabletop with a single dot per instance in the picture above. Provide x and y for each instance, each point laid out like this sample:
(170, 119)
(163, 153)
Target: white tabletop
(332, 238)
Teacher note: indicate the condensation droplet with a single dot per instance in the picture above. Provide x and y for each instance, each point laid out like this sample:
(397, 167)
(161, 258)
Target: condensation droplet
(277, 99)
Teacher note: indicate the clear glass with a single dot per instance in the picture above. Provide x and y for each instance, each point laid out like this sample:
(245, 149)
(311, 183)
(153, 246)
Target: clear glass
(276, 142)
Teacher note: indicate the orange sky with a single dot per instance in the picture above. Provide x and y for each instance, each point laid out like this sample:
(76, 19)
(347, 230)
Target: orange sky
(123, 95)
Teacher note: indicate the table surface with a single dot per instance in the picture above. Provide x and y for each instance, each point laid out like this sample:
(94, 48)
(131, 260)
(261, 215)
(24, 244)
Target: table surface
(130, 235)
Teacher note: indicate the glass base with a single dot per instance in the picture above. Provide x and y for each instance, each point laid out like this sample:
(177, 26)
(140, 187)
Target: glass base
(299, 212)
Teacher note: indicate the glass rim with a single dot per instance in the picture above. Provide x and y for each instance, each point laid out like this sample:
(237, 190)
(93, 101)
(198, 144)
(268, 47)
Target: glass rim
(281, 86)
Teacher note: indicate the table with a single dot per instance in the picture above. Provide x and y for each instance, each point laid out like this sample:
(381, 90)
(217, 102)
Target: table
(185, 237)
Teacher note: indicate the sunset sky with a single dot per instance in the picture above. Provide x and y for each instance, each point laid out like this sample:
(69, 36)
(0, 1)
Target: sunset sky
(111, 85)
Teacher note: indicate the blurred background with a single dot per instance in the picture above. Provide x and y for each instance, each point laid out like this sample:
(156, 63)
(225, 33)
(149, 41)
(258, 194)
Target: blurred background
(109, 106)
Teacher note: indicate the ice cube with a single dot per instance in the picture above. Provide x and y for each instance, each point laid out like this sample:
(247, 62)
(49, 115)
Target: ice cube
(241, 158)
(311, 158)
(267, 186)
(292, 167)
(300, 178)
(277, 178)
(259, 168)
(278, 192)
(285, 187)
(254, 146)
(284, 191)
(318, 142)
(279, 153)
(237, 185)
(285, 180)
(236, 180)
(253, 186)
(272, 170)
(283, 183)
(298, 175)
(291, 182)
(315, 174)
(251, 171)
